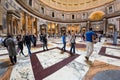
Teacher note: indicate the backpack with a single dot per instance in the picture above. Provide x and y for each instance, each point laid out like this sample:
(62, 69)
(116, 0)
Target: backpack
(4, 42)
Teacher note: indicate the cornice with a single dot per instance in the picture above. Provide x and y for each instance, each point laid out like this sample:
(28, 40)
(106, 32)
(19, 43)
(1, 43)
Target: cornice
(13, 12)
(46, 17)
(115, 14)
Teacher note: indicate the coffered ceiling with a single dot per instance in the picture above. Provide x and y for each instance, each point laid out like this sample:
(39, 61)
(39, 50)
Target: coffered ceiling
(74, 5)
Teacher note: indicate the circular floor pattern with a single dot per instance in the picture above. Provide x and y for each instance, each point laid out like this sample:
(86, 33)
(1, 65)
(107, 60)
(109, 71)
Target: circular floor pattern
(107, 75)
(3, 67)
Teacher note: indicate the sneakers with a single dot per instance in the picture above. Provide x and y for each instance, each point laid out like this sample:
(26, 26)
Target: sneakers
(72, 54)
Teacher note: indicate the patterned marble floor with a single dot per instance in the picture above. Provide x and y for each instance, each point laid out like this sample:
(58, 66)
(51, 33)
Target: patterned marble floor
(56, 65)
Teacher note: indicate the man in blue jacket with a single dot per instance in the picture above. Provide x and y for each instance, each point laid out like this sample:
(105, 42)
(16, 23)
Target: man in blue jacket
(64, 42)
(89, 42)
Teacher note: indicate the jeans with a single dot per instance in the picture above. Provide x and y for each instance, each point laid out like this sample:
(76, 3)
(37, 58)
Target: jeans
(45, 45)
(13, 59)
(21, 49)
(64, 46)
(72, 48)
(29, 47)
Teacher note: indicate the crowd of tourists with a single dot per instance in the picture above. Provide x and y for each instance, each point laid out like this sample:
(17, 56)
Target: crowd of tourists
(10, 43)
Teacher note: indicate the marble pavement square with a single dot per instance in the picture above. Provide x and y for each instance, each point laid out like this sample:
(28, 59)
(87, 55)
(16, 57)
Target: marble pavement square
(51, 57)
(114, 52)
(22, 70)
(72, 71)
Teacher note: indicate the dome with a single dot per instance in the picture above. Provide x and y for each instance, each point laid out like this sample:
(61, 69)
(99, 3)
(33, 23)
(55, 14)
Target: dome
(74, 5)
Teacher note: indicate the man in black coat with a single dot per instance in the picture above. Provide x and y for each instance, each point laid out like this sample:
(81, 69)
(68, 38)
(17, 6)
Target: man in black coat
(27, 40)
(44, 39)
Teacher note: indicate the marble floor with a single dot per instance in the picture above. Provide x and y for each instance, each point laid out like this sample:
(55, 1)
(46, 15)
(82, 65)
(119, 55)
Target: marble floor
(54, 64)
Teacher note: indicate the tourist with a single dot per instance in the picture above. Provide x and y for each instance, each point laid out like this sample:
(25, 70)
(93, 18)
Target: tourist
(20, 44)
(99, 36)
(41, 36)
(115, 34)
(69, 36)
(44, 40)
(28, 43)
(89, 43)
(64, 42)
(34, 40)
(83, 36)
(1, 40)
(10, 44)
(72, 41)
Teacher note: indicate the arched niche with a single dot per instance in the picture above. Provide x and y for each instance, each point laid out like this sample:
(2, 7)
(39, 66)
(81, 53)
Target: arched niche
(43, 28)
(110, 30)
(96, 16)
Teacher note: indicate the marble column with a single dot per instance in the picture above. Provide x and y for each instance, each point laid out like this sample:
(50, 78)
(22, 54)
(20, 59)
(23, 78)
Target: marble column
(8, 24)
(51, 29)
(119, 26)
(18, 27)
(55, 28)
(11, 26)
(15, 26)
(32, 26)
(88, 25)
(20, 23)
(46, 29)
(26, 24)
(59, 29)
(36, 26)
(104, 26)
(70, 28)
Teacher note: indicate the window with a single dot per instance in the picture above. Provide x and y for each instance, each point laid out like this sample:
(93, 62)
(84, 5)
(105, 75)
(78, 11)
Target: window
(42, 10)
(84, 16)
(53, 15)
(110, 9)
(63, 16)
(73, 16)
(30, 2)
(6, 5)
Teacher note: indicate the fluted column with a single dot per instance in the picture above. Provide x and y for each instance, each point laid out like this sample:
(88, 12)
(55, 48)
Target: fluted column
(59, 29)
(18, 27)
(32, 25)
(119, 27)
(36, 26)
(26, 24)
(51, 29)
(70, 28)
(104, 26)
(12, 25)
(8, 24)
(20, 23)
(15, 26)
(88, 25)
